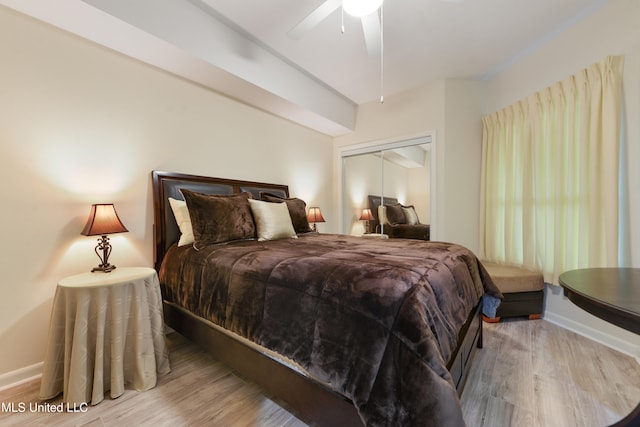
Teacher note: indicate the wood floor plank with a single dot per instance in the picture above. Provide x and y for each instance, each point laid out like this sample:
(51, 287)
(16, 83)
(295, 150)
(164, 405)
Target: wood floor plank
(548, 351)
(529, 373)
(501, 413)
(556, 404)
(513, 359)
(575, 381)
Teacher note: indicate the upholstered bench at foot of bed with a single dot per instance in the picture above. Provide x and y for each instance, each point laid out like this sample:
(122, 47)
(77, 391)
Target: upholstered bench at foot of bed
(523, 291)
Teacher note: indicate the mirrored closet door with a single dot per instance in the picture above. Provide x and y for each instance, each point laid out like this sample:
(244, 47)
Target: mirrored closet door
(396, 176)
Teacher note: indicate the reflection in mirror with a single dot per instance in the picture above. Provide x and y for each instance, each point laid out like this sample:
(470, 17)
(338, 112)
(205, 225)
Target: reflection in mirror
(362, 175)
(397, 174)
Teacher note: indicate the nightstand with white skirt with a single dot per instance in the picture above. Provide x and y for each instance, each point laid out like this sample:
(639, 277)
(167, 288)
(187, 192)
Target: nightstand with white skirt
(106, 331)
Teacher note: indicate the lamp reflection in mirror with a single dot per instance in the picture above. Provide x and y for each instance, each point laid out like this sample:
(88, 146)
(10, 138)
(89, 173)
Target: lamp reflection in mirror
(366, 216)
(314, 216)
(103, 220)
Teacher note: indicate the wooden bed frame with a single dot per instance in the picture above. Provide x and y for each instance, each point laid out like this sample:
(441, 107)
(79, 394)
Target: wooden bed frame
(309, 400)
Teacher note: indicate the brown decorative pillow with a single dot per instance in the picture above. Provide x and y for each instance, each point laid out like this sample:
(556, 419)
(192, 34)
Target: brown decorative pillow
(219, 218)
(297, 210)
(395, 214)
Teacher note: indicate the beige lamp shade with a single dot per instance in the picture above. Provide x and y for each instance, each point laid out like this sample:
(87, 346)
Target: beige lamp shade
(103, 220)
(315, 215)
(366, 215)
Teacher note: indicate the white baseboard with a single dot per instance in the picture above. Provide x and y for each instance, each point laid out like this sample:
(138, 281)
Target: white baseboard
(20, 376)
(595, 335)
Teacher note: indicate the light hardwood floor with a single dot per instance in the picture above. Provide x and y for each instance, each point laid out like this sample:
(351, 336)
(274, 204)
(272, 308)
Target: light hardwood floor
(529, 373)
(534, 373)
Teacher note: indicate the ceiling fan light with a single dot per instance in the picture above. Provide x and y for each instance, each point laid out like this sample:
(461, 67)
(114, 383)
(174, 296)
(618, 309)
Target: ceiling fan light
(360, 8)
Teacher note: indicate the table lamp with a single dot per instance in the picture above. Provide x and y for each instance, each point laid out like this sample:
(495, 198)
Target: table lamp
(314, 216)
(103, 220)
(366, 216)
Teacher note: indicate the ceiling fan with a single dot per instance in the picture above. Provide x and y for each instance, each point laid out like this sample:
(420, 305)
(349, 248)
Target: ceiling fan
(366, 10)
(372, 25)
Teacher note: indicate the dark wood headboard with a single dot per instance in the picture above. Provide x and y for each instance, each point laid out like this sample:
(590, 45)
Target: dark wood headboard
(168, 184)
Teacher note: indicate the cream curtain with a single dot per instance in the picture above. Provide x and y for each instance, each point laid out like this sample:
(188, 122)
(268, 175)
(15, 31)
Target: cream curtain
(549, 187)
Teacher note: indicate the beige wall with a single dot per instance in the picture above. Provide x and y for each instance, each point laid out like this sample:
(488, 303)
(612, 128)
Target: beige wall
(611, 30)
(80, 124)
(462, 146)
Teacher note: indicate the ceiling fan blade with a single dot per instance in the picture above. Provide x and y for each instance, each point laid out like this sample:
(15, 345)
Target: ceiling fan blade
(371, 29)
(314, 18)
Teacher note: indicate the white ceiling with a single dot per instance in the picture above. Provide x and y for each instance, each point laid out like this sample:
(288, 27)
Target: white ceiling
(241, 47)
(424, 40)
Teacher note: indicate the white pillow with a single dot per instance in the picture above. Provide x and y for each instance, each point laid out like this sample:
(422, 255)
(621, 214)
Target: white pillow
(181, 213)
(410, 215)
(382, 215)
(273, 220)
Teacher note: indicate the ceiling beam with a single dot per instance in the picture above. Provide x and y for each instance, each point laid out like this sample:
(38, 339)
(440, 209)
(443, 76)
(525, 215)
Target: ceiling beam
(179, 37)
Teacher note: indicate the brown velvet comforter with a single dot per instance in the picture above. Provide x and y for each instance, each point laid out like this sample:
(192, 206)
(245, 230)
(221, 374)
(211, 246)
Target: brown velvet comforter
(376, 319)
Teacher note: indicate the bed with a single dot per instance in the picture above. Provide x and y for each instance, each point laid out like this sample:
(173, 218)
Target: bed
(400, 223)
(336, 343)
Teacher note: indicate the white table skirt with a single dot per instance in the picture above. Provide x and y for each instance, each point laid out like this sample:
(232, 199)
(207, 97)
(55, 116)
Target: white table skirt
(106, 331)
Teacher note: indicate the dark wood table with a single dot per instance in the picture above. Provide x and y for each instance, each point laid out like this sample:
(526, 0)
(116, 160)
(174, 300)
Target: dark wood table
(613, 295)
